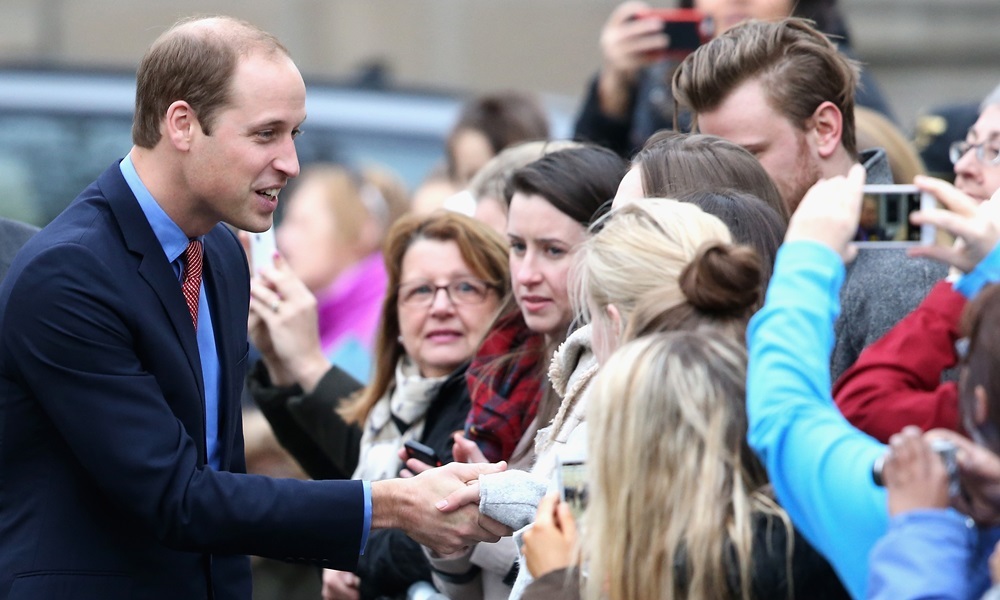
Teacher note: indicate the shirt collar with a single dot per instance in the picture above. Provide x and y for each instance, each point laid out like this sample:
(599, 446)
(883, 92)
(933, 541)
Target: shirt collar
(169, 234)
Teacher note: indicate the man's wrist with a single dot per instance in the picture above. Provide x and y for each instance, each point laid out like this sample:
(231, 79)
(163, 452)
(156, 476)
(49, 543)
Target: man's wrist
(388, 503)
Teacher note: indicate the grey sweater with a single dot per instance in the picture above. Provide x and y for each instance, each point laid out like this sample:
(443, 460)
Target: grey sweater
(881, 287)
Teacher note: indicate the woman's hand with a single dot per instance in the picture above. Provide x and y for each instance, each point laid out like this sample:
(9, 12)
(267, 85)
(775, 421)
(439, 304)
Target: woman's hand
(829, 213)
(551, 543)
(627, 45)
(411, 466)
(975, 224)
(914, 474)
(284, 327)
(465, 450)
(979, 473)
(340, 585)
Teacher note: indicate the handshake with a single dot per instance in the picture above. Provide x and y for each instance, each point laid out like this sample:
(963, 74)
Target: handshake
(415, 505)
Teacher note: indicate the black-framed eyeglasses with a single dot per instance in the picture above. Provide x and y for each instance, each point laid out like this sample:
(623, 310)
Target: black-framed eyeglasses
(986, 152)
(460, 291)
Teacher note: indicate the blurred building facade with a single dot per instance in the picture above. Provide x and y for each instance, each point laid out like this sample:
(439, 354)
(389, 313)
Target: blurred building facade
(923, 52)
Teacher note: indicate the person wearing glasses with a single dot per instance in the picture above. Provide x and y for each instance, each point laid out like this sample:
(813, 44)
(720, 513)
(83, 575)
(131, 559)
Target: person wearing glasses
(447, 275)
(977, 157)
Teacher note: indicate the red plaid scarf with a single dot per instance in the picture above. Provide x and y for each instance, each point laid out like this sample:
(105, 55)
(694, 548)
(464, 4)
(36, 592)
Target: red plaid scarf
(505, 381)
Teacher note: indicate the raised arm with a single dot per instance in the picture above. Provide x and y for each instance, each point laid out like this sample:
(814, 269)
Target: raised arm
(819, 465)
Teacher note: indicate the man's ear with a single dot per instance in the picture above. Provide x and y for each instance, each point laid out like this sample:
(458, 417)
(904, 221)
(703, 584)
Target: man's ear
(827, 128)
(179, 125)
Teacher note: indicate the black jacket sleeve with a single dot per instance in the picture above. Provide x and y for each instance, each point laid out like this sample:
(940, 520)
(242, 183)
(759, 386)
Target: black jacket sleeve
(592, 125)
(392, 561)
(307, 425)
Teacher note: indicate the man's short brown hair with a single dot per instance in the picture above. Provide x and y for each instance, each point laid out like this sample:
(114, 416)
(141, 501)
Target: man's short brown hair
(797, 65)
(193, 61)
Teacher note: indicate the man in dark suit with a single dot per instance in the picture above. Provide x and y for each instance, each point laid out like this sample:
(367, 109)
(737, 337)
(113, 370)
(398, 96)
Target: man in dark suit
(122, 351)
(13, 235)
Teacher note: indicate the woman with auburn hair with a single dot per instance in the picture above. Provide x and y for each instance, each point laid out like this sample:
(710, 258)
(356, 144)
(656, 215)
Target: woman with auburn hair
(447, 275)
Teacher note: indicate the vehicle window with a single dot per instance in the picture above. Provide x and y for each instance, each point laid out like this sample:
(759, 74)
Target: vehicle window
(47, 160)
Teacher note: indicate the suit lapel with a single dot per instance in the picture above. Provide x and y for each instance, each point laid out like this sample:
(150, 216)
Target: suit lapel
(153, 265)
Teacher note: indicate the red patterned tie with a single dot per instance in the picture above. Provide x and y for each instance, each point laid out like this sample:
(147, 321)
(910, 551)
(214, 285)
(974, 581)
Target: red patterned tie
(192, 279)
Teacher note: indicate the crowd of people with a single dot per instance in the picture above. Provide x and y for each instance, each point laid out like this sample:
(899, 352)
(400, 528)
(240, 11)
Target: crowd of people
(649, 362)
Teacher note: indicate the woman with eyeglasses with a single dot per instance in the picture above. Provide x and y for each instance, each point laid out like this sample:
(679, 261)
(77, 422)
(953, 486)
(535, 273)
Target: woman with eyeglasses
(447, 275)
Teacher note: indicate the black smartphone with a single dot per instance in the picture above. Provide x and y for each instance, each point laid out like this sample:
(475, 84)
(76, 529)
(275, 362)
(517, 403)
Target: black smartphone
(422, 452)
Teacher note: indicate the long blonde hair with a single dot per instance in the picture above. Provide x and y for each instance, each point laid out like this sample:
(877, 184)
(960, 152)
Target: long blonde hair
(674, 483)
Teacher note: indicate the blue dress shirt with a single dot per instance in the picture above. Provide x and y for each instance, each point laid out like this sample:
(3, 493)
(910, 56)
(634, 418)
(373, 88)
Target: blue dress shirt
(174, 242)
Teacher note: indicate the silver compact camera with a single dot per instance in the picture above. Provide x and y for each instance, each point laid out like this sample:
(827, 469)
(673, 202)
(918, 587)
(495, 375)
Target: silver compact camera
(948, 453)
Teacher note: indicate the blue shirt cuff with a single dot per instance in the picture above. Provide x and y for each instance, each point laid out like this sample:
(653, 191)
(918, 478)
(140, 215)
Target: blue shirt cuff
(367, 487)
(986, 272)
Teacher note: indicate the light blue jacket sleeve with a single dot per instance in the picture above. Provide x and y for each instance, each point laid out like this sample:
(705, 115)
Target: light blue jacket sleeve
(820, 466)
(925, 556)
(986, 272)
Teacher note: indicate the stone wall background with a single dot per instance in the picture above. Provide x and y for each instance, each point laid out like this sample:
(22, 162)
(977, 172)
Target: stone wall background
(923, 52)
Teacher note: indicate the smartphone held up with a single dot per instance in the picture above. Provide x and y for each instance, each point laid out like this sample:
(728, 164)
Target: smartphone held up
(885, 217)
(686, 29)
(571, 478)
(262, 250)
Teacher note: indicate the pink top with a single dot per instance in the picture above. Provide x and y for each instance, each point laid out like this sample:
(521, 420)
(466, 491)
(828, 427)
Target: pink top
(349, 312)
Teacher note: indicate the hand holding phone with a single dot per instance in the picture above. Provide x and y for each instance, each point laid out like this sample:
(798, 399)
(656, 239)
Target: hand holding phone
(262, 250)
(421, 452)
(976, 225)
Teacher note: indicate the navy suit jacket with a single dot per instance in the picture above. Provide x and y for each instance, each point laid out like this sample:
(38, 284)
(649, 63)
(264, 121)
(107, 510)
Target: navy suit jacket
(104, 488)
